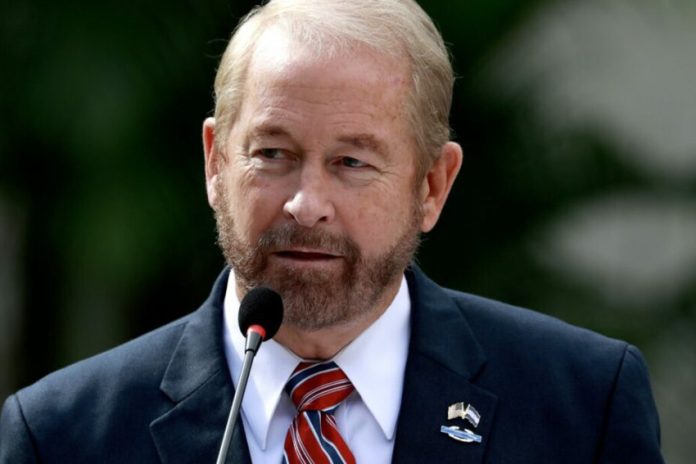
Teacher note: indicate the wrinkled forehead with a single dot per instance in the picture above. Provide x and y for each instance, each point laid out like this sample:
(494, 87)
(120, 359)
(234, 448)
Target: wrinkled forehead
(285, 73)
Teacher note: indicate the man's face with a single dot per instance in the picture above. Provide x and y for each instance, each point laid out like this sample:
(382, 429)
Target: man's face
(316, 195)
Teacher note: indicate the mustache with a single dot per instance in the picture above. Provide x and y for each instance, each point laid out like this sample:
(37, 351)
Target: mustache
(293, 235)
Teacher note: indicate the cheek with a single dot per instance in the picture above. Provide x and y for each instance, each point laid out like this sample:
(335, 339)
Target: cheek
(376, 220)
(260, 205)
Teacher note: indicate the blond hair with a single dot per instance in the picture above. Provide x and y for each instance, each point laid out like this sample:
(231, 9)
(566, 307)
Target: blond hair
(399, 28)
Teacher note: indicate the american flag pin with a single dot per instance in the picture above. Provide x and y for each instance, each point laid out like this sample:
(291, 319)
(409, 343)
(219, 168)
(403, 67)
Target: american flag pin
(464, 411)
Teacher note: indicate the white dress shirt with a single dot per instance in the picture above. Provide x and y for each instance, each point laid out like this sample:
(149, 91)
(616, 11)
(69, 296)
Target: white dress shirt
(374, 362)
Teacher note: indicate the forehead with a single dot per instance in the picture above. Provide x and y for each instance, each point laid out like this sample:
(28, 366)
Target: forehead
(281, 63)
(280, 49)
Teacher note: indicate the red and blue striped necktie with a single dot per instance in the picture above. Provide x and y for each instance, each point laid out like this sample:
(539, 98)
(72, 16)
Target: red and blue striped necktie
(317, 389)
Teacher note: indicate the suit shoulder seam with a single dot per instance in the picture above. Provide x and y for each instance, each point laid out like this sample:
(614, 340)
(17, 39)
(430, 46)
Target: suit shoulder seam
(27, 427)
(610, 399)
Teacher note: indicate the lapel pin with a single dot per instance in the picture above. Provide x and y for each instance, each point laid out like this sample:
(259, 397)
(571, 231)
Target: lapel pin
(465, 435)
(466, 412)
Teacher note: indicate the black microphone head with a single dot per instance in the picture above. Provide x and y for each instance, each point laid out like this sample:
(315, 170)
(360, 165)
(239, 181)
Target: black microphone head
(261, 306)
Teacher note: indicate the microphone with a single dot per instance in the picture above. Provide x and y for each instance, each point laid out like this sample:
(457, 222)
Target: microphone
(260, 316)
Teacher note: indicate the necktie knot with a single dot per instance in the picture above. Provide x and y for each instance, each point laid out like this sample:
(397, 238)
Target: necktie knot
(318, 387)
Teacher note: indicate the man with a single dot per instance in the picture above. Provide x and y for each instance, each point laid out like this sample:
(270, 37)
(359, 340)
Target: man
(327, 157)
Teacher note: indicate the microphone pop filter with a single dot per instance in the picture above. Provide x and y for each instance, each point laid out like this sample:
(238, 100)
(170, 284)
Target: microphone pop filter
(261, 306)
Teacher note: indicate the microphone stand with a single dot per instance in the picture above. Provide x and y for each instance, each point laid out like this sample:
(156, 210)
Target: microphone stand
(255, 335)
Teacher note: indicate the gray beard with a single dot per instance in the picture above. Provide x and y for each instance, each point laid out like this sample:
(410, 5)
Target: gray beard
(315, 299)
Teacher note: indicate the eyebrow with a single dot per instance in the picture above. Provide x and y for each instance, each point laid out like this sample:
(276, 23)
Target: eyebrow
(364, 142)
(361, 141)
(269, 131)
(264, 131)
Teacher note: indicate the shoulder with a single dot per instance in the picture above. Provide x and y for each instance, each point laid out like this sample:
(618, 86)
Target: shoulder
(550, 379)
(511, 335)
(104, 395)
(137, 363)
(542, 352)
(513, 325)
(503, 328)
(533, 359)
(103, 406)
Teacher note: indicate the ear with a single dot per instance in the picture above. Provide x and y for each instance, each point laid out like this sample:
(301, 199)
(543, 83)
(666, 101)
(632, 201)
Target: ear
(213, 160)
(437, 183)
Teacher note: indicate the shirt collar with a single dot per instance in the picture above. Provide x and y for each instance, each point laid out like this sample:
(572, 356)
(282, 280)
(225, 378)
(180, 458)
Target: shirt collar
(379, 382)
(273, 365)
(385, 344)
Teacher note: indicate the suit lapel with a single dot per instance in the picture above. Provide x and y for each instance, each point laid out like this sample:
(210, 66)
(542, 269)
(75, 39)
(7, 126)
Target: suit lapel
(198, 384)
(444, 358)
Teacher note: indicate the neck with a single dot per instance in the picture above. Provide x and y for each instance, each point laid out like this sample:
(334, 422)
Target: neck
(325, 343)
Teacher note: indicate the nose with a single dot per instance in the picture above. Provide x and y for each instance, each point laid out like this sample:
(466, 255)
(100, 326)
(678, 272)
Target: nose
(311, 201)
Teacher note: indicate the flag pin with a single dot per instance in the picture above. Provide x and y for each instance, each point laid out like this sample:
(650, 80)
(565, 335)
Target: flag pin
(462, 411)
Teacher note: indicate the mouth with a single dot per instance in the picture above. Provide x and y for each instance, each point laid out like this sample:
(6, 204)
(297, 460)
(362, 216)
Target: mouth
(306, 255)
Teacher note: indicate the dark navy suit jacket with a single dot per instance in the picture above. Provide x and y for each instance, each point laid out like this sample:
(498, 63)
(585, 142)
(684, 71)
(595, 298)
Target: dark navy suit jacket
(546, 392)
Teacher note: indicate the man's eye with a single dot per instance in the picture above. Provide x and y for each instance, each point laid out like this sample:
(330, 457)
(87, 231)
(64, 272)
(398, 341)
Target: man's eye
(272, 153)
(352, 162)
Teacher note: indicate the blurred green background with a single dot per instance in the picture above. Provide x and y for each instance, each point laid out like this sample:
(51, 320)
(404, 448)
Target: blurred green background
(577, 197)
